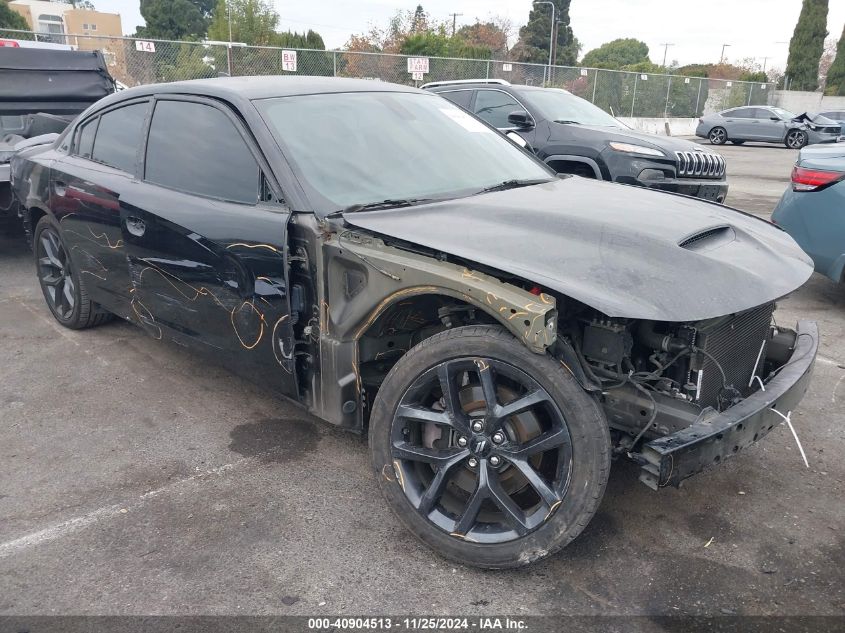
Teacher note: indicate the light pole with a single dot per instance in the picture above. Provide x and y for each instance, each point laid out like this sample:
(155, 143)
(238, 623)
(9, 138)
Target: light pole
(722, 58)
(665, 50)
(551, 34)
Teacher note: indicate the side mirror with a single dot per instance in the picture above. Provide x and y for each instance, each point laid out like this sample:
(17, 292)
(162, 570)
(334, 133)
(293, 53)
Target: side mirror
(520, 119)
(775, 118)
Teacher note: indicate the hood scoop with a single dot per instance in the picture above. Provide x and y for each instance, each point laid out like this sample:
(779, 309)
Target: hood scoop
(708, 239)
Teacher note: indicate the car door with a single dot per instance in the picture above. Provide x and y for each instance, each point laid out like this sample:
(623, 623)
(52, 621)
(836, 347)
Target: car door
(494, 106)
(741, 124)
(770, 125)
(205, 234)
(88, 185)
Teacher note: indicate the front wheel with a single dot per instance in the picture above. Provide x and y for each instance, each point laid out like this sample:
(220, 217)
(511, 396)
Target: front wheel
(796, 139)
(490, 454)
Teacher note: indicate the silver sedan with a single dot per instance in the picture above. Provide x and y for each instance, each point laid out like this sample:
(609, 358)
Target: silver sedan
(767, 124)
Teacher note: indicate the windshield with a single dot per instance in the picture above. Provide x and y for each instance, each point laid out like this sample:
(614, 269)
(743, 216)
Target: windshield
(559, 105)
(783, 114)
(360, 148)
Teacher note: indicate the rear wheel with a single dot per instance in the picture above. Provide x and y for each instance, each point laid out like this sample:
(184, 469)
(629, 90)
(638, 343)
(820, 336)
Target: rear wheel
(64, 290)
(718, 136)
(796, 139)
(490, 454)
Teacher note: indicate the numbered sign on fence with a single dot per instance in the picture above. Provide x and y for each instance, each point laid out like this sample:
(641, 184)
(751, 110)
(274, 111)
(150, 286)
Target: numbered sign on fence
(289, 61)
(507, 68)
(417, 76)
(146, 47)
(585, 72)
(418, 64)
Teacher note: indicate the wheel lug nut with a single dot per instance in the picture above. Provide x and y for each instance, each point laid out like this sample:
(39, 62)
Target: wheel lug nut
(495, 461)
(478, 426)
(472, 462)
(498, 437)
(462, 441)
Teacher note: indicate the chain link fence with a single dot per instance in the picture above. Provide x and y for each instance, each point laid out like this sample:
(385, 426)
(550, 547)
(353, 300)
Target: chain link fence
(625, 94)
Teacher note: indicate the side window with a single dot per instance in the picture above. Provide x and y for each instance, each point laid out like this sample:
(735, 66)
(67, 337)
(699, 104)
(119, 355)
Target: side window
(763, 113)
(494, 106)
(738, 113)
(118, 136)
(85, 138)
(197, 149)
(458, 97)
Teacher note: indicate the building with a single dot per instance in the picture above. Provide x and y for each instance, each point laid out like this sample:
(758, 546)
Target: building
(83, 29)
(58, 21)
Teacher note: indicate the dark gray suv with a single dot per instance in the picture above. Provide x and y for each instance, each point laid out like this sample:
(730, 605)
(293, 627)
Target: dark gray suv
(573, 136)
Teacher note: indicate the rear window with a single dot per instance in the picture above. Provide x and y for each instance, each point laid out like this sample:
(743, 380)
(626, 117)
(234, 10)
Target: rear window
(119, 135)
(458, 97)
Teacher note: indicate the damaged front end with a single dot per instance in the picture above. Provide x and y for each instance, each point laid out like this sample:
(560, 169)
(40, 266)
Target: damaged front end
(681, 397)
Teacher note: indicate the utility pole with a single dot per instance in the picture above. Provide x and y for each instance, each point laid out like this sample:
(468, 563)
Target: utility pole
(455, 17)
(722, 58)
(665, 50)
(765, 59)
(552, 33)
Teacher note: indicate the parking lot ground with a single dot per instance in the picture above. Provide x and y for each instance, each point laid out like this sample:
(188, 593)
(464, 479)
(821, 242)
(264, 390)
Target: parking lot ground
(135, 479)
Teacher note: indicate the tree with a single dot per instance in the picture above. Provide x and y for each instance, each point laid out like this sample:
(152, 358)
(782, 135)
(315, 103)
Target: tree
(533, 44)
(11, 19)
(173, 19)
(807, 45)
(79, 4)
(836, 74)
(253, 22)
(491, 35)
(616, 54)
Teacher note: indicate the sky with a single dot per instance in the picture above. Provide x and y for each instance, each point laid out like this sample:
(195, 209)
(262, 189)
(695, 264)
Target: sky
(696, 30)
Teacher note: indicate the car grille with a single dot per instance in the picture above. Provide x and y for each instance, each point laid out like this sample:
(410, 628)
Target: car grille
(734, 343)
(700, 165)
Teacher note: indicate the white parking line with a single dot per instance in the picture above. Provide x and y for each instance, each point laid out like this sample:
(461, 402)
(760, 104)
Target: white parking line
(75, 524)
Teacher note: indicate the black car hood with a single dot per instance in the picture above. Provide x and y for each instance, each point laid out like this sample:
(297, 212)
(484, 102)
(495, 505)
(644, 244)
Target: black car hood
(565, 131)
(613, 247)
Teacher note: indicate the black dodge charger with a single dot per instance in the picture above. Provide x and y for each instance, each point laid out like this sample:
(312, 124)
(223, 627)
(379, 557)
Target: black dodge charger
(397, 267)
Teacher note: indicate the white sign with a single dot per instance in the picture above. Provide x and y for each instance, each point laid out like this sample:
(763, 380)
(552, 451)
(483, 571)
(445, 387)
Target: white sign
(730, 83)
(763, 86)
(584, 72)
(289, 61)
(147, 47)
(686, 81)
(644, 77)
(507, 68)
(418, 64)
(417, 76)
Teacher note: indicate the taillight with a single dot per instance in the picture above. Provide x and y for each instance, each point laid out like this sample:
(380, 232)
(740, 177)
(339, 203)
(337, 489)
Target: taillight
(804, 179)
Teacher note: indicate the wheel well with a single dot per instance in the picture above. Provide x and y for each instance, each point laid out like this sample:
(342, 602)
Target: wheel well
(572, 167)
(30, 220)
(404, 325)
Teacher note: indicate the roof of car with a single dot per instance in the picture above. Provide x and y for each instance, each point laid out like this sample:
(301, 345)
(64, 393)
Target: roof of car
(469, 85)
(269, 86)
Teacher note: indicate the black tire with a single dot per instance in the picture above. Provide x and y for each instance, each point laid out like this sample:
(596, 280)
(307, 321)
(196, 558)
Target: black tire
(737, 142)
(796, 139)
(718, 136)
(63, 287)
(587, 447)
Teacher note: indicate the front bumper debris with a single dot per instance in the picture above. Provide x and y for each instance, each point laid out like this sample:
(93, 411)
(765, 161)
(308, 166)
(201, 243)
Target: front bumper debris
(671, 459)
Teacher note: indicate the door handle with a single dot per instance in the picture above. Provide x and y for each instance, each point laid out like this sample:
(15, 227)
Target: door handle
(135, 226)
(60, 188)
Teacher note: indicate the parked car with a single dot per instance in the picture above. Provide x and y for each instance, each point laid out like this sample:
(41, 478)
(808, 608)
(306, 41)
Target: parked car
(41, 91)
(839, 117)
(811, 210)
(767, 124)
(572, 136)
(398, 267)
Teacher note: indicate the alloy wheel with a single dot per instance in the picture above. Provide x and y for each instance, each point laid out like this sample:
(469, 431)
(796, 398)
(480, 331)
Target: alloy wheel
(481, 450)
(795, 139)
(55, 275)
(718, 136)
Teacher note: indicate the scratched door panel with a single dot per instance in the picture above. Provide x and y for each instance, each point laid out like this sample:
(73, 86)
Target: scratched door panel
(212, 275)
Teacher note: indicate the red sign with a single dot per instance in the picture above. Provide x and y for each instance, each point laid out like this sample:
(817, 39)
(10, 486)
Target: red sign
(9, 43)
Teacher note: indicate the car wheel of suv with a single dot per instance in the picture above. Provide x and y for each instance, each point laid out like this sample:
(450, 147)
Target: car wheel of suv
(796, 139)
(61, 283)
(490, 454)
(718, 136)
